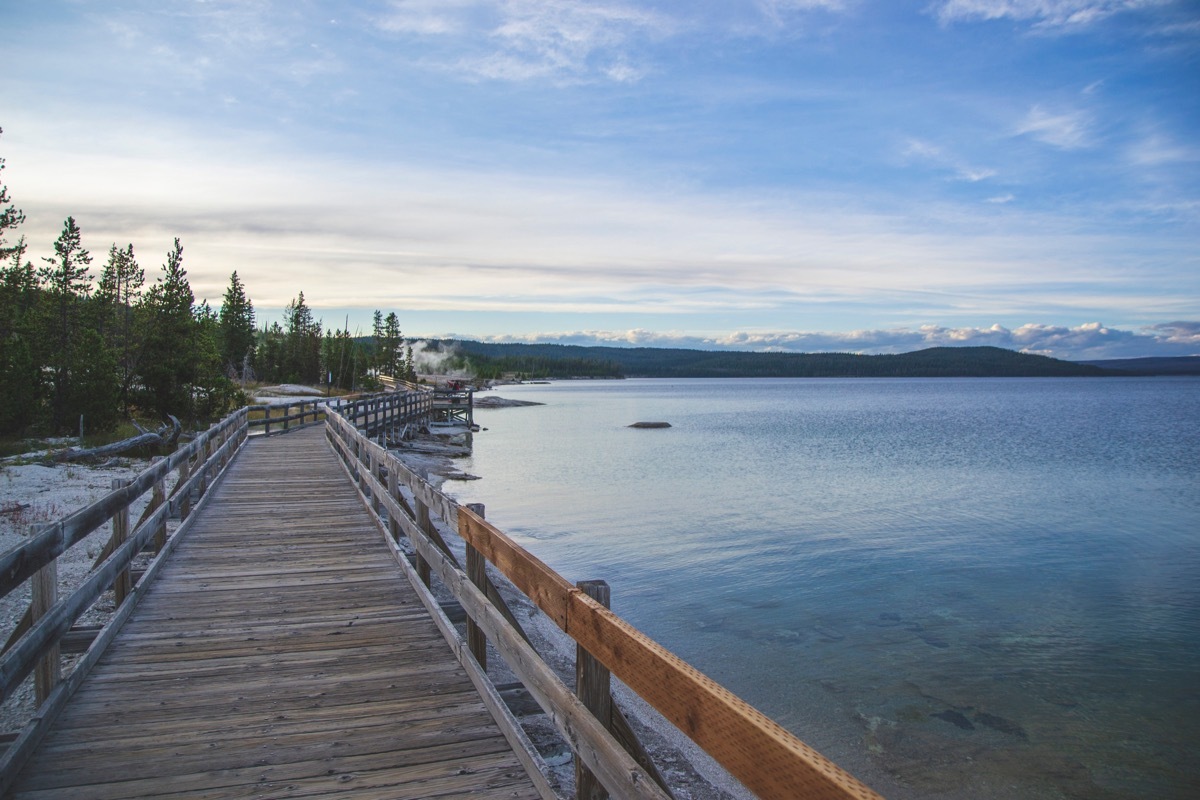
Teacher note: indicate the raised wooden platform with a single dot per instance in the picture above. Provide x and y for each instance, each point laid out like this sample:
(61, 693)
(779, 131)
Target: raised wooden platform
(281, 653)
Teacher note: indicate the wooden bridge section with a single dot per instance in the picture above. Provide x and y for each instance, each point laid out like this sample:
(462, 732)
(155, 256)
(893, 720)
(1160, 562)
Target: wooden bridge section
(286, 641)
(279, 653)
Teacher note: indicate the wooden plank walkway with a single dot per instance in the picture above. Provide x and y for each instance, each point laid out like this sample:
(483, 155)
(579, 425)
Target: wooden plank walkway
(280, 653)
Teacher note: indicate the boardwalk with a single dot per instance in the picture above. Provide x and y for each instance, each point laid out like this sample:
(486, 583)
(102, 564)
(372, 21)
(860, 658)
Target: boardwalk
(281, 653)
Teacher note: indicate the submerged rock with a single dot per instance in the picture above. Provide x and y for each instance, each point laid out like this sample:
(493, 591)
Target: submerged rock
(954, 718)
(829, 634)
(491, 401)
(1000, 724)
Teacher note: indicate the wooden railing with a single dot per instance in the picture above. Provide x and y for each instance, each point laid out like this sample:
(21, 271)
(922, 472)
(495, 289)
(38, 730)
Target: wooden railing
(766, 758)
(282, 415)
(388, 414)
(391, 384)
(36, 644)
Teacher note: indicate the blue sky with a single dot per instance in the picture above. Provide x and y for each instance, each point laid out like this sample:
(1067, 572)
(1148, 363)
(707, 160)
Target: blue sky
(769, 174)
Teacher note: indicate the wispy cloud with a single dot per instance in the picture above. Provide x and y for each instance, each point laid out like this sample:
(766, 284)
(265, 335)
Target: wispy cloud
(1063, 14)
(1156, 150)
(919, 150)
(1082, 342)
(1068, 130)
(518, 40)
(779, 11)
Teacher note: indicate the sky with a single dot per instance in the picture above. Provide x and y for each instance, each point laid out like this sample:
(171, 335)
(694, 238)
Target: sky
(793, 175)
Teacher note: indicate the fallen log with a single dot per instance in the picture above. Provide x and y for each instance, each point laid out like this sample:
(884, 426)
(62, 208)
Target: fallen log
(146, 439)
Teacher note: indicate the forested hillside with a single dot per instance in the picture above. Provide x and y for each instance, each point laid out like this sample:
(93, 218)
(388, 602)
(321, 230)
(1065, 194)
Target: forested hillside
(671, 363)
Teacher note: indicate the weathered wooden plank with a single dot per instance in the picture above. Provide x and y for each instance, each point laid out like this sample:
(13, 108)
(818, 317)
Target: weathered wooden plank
(768, 759)
(320, 679)
(544, 586)
(19, 563)
(274, 781)
(591, 742)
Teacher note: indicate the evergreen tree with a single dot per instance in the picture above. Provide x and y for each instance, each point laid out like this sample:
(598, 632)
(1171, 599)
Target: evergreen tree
(377, 335)
(410, 365)
(65, 281)
(302, 344)
(269, 353)
(168, 366)
(21, 385)
(212, 391)
(236, 329)
(10, 216)
(116, 298)
(94, 390)
(393, 343)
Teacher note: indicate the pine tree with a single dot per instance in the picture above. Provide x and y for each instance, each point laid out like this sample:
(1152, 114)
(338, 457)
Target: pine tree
(377, 334)
(392, 346)
(237, 329)
(65, 281)
(212, 391)
(10, 216)
(116, 298)
(302, 343)
(167, 363)
(21, 386)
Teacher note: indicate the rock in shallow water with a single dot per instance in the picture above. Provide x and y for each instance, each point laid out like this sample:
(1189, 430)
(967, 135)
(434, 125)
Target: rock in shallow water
(650, 425)
(954, 718)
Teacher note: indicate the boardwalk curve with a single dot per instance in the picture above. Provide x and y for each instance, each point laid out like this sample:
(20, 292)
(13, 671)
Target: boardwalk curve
(280, 653)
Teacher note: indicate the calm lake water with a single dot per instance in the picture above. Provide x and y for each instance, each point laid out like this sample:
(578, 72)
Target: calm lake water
(968, 587)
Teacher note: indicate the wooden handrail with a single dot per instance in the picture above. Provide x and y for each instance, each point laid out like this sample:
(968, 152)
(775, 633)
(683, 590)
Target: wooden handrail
(765, 757)
(53, 540)
(18, 564)
(41, 641)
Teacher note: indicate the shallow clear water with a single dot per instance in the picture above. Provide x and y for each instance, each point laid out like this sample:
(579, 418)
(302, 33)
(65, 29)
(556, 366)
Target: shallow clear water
(980, 587)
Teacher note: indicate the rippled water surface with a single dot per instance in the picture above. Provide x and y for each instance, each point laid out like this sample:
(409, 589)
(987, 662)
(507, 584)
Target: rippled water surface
(987, 588)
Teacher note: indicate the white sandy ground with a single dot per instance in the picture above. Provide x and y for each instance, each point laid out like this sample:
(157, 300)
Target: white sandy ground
(33, 493)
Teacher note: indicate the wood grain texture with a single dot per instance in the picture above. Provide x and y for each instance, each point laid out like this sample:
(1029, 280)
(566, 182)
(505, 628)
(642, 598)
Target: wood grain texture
(280, 653)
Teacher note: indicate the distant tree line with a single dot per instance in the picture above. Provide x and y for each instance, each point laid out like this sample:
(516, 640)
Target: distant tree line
(490, 362)
(655, 362)
(110, 348)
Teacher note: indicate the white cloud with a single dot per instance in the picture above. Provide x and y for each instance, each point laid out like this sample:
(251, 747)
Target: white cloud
(920, 150)
(1090, 341)
(778, 10)
(1067, 130)
(427, 17)
(519, 40)
(1001, 199)
(1158, 150)
(1062, 14)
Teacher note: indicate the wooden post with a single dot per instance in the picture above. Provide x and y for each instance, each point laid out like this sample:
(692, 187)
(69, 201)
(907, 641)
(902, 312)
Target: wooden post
(376, 505)
(120, 532)
(157, 499)
(425, 523)
(185, 500)
(44, 588)
(394, 493)
(201, 465)
(477, 573)
(267, 417)
(592, 687)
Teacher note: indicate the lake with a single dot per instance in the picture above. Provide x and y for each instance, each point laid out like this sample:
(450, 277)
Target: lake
(962, 587)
